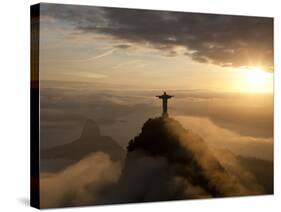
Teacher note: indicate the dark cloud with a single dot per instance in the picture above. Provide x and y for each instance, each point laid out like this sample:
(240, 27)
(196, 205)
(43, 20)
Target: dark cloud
(123, 46)
(224, 40)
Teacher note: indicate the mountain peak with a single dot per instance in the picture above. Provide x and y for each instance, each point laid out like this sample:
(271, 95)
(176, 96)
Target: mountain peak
(161, 137)
(166, 138)
(90, 130)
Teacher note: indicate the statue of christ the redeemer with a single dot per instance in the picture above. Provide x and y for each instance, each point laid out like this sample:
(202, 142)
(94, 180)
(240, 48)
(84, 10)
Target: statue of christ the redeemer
(165, 98)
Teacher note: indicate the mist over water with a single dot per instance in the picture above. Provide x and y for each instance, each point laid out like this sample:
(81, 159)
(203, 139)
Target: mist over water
(239, 122)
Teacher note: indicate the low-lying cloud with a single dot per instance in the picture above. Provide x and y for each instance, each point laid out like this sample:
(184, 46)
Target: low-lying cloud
(246, 114)
(78, 184)
(220, 138)
(175, 165)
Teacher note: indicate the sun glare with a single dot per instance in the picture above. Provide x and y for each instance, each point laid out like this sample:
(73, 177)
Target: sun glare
(256, 79)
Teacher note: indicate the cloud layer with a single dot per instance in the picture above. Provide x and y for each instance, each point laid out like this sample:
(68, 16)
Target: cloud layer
(223, 40)
(64, 110)
(78, 184)
(164, 162)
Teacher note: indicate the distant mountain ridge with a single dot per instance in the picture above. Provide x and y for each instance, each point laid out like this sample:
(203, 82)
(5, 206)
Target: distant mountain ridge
(262, 169)
(89, 142)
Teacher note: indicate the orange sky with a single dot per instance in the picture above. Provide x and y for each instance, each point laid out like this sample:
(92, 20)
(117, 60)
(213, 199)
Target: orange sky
(71, 51)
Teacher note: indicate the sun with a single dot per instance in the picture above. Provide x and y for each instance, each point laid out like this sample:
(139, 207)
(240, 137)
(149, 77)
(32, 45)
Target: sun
(255, 80)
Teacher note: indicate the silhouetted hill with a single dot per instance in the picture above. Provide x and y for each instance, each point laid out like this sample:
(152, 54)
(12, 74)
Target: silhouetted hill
(90, 141)
(165, 137)
(168, 162)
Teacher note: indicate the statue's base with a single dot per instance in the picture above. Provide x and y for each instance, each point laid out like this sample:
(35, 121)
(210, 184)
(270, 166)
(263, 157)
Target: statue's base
(165, 115)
